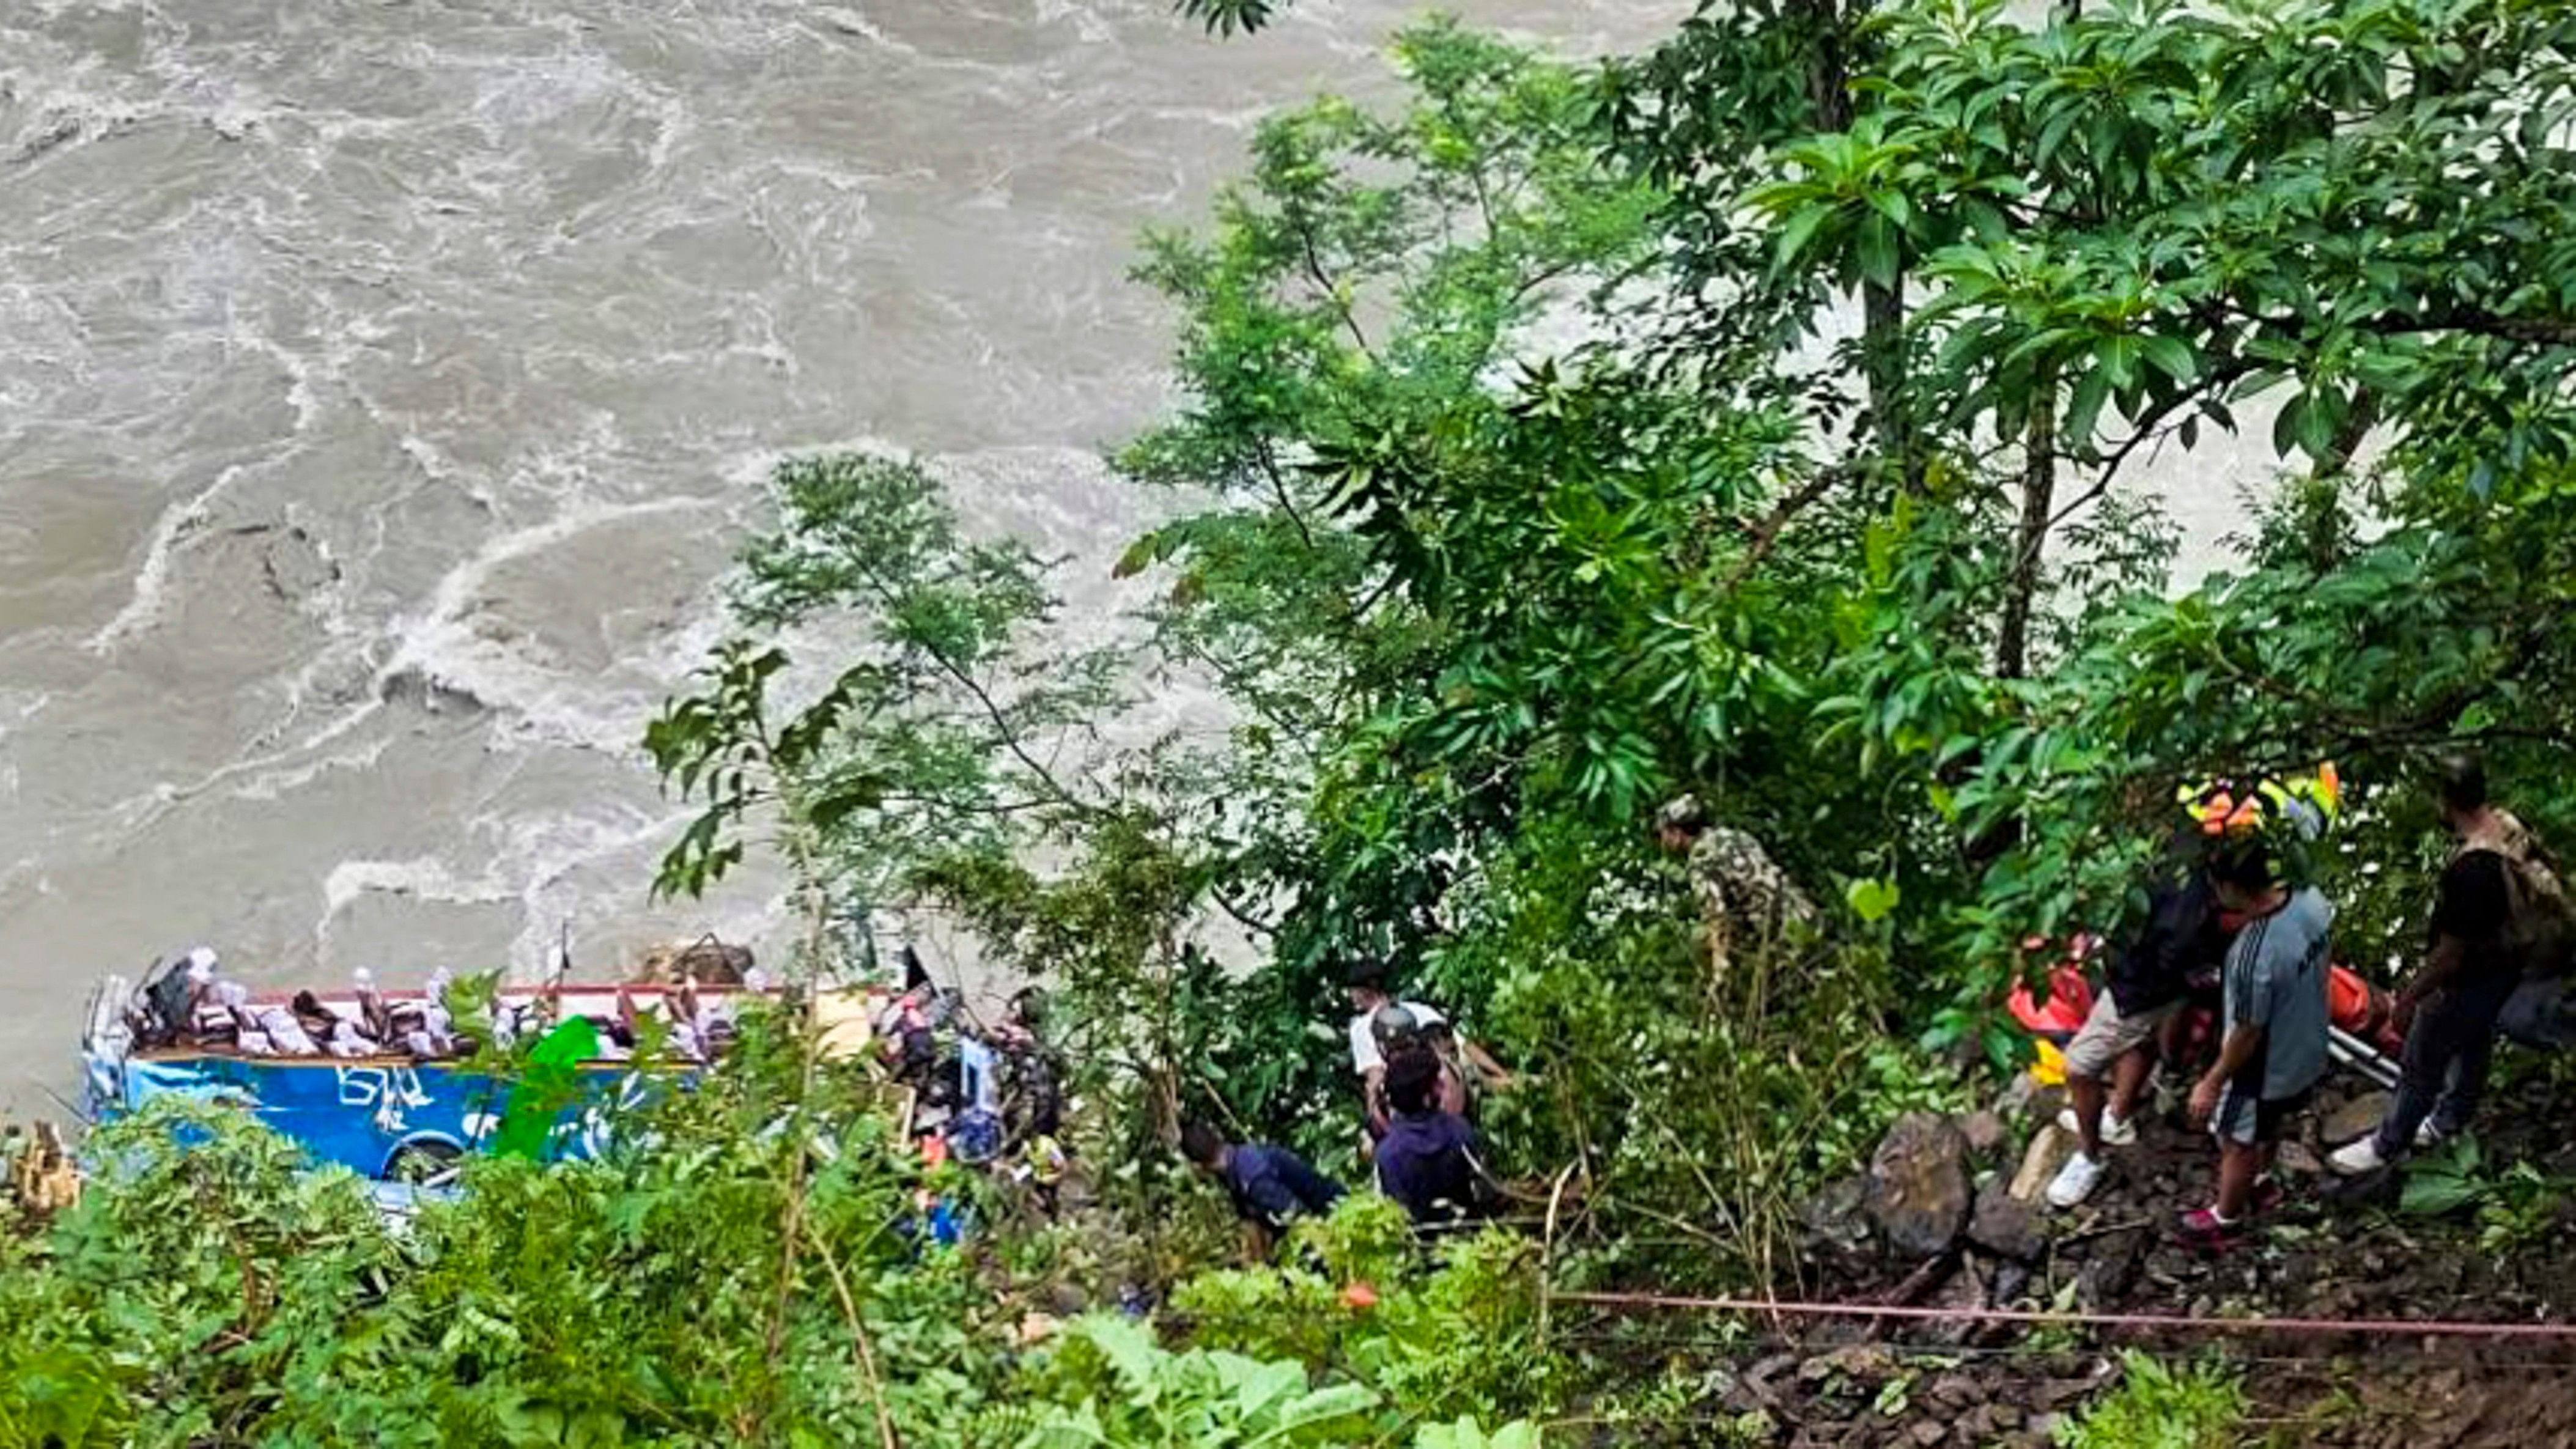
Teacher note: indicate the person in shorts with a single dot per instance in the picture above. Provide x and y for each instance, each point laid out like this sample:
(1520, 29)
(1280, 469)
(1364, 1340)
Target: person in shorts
(2108, 1061)
(2274, 1016)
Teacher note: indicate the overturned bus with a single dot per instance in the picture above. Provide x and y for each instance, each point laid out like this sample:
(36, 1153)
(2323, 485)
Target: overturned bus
(383, 1112)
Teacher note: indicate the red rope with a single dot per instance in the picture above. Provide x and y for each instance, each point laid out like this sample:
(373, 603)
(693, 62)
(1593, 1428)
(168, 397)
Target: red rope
(2190, 1321)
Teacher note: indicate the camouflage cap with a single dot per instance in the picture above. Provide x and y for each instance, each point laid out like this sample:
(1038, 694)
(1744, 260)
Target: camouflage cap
(1682, 812)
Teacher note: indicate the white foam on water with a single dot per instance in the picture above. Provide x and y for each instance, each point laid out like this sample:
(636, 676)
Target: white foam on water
(276, 784)
(1087, 22)
(150, 597)
(528, 861)
(543, 853)
(442, 648)
(421, 877)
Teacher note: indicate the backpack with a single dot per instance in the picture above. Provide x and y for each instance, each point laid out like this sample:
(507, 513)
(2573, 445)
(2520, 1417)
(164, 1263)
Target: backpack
(2540, 925)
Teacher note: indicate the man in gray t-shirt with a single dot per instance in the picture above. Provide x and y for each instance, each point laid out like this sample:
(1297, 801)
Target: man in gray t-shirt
(2274, 1045)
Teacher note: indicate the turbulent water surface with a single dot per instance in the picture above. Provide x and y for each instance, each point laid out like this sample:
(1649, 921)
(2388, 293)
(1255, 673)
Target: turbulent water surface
(383, 381)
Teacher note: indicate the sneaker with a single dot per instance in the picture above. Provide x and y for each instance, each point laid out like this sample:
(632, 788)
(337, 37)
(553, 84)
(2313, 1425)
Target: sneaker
(2356, 1159)
(2117, 1131)
(2268, 1195)
(2428, 1135)
(2203, 1228)
(2074, 1182)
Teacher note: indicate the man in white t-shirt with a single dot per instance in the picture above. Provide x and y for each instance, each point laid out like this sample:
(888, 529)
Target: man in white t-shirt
(1378, 1013)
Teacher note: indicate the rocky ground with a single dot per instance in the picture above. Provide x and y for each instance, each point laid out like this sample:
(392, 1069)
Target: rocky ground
(1950, 1216)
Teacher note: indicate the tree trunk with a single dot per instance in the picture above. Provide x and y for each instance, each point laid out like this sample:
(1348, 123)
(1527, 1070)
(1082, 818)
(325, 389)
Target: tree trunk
(1828, 59)
(2325, 534)
(1831, 27)
(2038, 504)
(1882, 344)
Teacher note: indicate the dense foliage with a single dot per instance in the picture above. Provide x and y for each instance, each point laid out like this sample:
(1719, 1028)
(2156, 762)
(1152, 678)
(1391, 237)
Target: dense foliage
(759, 1267)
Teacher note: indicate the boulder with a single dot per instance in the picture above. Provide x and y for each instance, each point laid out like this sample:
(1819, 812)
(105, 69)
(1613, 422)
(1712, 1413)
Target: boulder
(1837, 1216)
(2049, 1148)
(2354, 1120)
(1918, 1185)
(2007, 1226)
(2117, 1259)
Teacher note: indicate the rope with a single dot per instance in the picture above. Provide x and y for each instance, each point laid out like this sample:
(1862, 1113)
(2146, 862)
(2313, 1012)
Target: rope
(2190, 1322)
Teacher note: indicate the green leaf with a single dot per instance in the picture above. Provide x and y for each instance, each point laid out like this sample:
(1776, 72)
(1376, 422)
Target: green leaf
(2172, 356)
(2084, 406)
(1139, 556)
(2431, 1194)
(1872, 900)
(1795, 234)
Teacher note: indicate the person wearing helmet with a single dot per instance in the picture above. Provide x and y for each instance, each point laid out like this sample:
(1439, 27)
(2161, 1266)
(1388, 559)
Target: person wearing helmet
(1746, 901)
(1380, 1022)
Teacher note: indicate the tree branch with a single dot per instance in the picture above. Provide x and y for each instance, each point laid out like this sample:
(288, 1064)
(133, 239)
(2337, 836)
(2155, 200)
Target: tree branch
(1766, 534)
(1279, 490)
(2151, 426)
(2479, 321)
(1324, 283)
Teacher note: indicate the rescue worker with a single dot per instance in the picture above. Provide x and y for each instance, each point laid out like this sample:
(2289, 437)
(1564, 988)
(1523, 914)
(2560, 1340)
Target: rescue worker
(1427, 1160)
(1271, 1186)
(2272, 1044)
(2108, 1062)
(1746, 901)
(1379, 1020)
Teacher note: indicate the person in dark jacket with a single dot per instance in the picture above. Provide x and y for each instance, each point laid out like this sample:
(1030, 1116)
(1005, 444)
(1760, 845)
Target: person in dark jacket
(1427, 1159)
(2108, 1061)
(2450, 1008)
(1271, 1186)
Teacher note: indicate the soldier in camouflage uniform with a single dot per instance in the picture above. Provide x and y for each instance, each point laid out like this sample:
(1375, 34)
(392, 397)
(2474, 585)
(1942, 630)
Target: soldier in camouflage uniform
(1746, 901)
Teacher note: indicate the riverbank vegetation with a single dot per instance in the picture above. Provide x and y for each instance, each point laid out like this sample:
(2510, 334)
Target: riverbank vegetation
(1761, 417)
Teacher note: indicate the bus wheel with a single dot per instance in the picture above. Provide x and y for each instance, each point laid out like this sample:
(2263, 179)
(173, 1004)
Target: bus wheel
(426, 1162)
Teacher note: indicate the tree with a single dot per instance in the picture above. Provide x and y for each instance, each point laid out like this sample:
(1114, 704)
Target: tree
(1356, 308)
(2140, 220)
(939, 734)
(2158, 214)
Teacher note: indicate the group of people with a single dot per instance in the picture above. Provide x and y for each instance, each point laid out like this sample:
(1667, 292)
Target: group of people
(1418, 1081)
(189, 1004)
(2225, 931)
(2230, 938)
(981, 1090)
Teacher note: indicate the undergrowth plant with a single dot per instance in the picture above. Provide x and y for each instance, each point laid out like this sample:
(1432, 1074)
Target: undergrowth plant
(211, 1289)
(2162, 1404)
